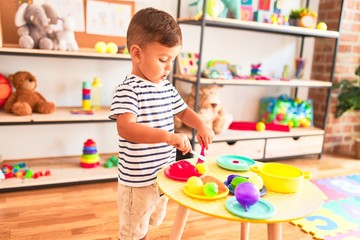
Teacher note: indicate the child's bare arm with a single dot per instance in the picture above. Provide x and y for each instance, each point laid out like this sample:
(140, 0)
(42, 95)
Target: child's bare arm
(192, 119)
(133, 131)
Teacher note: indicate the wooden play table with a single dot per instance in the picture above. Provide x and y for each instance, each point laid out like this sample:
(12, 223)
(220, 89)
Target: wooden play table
(288, 206)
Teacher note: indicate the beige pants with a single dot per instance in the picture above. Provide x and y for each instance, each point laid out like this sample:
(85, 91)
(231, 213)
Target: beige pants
(139, 207)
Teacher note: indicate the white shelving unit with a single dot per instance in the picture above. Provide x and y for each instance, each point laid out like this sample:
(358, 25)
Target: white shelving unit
(268, 144)
(64, 170)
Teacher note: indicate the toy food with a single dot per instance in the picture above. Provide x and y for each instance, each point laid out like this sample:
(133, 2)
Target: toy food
(200, 168)
(247, 195)
(194, 185)
(236, 181)
(181, 170)
(210, 189)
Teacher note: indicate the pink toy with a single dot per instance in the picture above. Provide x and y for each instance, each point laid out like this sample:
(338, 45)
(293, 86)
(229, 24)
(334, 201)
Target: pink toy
(181, 171)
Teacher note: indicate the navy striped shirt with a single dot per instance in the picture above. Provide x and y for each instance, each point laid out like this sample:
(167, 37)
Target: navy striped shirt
(154, 105)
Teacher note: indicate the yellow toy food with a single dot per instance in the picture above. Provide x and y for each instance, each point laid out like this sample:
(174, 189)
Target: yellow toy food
(111, 47)
(194, 185)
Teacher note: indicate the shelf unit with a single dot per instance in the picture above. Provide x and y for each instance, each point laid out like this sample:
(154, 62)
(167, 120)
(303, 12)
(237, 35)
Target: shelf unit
(262, 145)
(64, 170)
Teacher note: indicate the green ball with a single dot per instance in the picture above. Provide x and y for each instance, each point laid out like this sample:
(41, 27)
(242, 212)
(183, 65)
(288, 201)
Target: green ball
(210, 189)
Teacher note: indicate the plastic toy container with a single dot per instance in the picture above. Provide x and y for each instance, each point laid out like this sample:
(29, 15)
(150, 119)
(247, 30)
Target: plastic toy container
(279, 177)
(286, 111)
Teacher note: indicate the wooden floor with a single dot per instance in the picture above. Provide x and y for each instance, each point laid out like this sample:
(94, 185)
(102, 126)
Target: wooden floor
(89, 211)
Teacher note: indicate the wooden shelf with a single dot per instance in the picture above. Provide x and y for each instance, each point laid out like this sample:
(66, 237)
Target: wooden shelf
(250, 82)
(61, 115)
(82, 53)
(64, 170)
(262, 27)
(236, 135)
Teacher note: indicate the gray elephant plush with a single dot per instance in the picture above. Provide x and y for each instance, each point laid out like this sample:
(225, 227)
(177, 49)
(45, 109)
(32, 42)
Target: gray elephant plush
(34, 26)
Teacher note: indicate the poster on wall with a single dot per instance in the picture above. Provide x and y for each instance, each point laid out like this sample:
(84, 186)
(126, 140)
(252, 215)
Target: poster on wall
(75, 8)
(105, 18)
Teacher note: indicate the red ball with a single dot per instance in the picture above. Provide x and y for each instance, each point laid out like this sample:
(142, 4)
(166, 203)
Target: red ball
(5, 89)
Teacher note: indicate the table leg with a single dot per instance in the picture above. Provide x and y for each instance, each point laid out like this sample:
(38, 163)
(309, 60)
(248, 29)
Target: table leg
(179, 222)
(274, 231)
(245, 229)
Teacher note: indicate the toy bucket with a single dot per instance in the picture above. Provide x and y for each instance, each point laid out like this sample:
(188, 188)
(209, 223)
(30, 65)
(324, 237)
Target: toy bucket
(279, 177)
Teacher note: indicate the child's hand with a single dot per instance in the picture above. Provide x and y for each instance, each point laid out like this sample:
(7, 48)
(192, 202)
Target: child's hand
(205, 135)
(180, 141)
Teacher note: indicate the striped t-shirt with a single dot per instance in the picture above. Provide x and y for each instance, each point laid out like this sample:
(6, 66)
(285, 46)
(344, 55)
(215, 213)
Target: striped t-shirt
(154, 105)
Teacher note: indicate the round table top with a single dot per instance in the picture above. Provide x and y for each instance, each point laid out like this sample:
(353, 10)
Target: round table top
(288, 206)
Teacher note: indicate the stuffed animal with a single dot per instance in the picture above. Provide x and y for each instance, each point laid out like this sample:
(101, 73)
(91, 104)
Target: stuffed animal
(66, 37)
(25, 100)
(210, 109)
(34, 26)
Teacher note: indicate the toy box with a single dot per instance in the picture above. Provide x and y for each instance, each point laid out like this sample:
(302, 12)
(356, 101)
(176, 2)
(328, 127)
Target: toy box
(287, 111)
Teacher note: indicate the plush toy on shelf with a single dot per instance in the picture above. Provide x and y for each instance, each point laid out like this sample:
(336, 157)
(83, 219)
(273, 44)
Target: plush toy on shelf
(210, 109)
(34, 26)
(25, 100)
(65, 38)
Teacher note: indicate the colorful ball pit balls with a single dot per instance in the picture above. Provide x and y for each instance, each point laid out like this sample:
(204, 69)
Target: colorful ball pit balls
(112, 48)
(247, 195)
(210, 189)
(101, 47)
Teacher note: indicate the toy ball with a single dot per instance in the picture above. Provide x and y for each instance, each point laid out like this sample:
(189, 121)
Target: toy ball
(321, 26)
(194, 185)
(5, 90)
(210, 189)
(112, 47)
(247, 195)
(101, 47)
(260, 126)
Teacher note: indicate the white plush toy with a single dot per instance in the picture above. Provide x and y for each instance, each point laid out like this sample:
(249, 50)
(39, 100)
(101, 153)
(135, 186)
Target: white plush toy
(66, 38)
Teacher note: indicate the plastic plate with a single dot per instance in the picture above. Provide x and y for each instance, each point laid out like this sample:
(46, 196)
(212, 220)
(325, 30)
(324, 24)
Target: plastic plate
(223, 190)
(235, 162)
(178, 178)
(260, 210)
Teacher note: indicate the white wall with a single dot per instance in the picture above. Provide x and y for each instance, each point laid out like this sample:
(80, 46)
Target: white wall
(60, 81)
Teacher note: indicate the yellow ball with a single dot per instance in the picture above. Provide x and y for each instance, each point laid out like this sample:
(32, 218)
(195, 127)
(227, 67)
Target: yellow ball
(260, 126)
(321, 26)
(100, 47)
(111, 47)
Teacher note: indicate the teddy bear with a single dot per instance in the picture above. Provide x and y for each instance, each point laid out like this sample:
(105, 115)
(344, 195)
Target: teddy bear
(25, 100)
(209, 108)
(34, 24)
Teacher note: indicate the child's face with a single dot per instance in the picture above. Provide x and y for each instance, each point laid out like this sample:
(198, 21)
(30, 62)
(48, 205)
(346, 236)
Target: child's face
(155, 61)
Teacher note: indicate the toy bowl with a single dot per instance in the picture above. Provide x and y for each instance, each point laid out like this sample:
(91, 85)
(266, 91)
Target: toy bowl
(279, 177)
